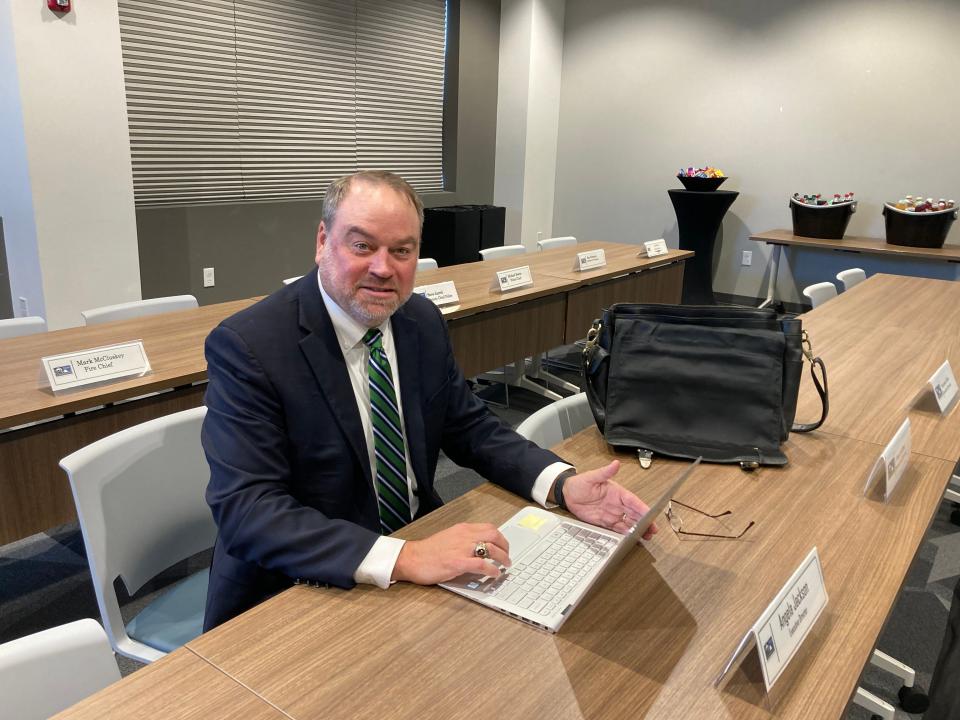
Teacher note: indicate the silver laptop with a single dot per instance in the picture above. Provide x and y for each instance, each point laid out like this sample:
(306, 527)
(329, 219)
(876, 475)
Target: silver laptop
(556, 562)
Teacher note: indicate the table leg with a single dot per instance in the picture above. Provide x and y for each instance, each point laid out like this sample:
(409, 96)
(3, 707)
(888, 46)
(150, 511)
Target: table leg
(774, 266)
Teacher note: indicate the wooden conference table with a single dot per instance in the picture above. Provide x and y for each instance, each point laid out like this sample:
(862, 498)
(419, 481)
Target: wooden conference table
(651, 641)
(487, 329)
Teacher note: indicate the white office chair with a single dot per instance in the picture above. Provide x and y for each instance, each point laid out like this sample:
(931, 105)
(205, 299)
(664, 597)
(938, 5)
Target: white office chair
(851, 277)
(426, 264)
(138, 308)
(44, 673)
(291, 280)
(17, 327)
(556, 242)
(819, 293)
(554, 423)
(502, 251)
(140, 500)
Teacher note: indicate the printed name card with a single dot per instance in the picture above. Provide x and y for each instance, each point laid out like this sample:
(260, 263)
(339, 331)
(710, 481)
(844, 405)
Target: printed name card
(892, 463)
(654, 248)
(97, 365)
(512, 279)
(944, 386)
(442, 293)
(590, 260)
(786, 622)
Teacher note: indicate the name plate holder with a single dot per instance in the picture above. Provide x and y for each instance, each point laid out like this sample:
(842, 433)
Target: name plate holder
(942, 386)
(779, 632)
(589, 260)
(440, 294)
(892, 463)
(654, 248)
(95, 366)
(512, 279)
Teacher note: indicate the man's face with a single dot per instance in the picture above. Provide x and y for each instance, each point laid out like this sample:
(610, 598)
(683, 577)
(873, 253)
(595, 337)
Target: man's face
(368, 258)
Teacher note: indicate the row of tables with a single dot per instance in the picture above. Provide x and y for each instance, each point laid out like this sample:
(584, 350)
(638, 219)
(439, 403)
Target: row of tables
(488, 329)
(651, 641)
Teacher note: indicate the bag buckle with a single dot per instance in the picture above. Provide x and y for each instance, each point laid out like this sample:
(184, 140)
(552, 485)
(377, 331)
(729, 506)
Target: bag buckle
(592, 337)
(751, 465)
(806, 346)
(645, 457)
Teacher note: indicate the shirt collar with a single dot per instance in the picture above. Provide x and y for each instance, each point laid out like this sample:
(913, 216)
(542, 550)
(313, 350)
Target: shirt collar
(349, 332)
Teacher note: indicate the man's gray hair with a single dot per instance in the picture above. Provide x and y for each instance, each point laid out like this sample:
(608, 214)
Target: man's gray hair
(339, 188)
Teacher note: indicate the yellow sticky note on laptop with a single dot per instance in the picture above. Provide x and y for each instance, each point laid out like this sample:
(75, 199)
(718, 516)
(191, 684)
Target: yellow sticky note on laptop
(531, 522)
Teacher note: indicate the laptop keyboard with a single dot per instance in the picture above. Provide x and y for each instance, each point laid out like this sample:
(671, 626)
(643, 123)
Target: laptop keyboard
(542, 579)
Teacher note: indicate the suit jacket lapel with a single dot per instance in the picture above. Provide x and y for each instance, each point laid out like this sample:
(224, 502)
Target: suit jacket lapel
(407, 344)
(322, 351)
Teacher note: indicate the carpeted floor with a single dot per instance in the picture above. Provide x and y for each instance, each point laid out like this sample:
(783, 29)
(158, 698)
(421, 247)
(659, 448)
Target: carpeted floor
(44, 581)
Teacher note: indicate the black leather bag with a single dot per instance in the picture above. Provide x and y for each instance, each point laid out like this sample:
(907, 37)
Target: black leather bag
(689, 381)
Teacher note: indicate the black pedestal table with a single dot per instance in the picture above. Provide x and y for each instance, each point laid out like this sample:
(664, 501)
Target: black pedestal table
(699, 215)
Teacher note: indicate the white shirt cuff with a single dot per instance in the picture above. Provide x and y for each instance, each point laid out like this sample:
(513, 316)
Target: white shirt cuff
(377, 567)
(544, 481)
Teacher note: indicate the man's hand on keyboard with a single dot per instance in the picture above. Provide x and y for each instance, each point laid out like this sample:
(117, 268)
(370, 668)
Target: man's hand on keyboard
(594, 497)
(451, 552)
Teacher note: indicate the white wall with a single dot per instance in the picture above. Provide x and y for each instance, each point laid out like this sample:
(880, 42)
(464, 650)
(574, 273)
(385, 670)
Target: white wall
(528, 104)
(785, 97)
(16, 200)
(74, 138)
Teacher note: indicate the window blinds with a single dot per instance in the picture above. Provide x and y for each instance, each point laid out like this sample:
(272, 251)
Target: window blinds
(233, 100)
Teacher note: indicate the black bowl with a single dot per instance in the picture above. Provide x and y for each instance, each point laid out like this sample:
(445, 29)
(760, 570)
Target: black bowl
(701, 184)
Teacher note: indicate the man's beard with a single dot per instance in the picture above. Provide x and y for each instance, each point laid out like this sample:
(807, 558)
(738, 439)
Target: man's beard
(369, 314)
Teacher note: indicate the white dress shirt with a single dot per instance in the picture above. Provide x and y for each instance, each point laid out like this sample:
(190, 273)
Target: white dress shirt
(377, 567)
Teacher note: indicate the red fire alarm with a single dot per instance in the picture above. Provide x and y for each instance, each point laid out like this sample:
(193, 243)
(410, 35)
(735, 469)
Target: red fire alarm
(60, 6)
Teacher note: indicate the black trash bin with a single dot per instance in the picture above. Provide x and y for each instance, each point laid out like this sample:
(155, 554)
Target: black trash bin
(457, 233)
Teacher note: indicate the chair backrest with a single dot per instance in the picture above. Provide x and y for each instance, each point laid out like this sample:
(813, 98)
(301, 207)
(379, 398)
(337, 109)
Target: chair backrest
(139, 308)
(556, 242)
(557, 421)
(819, 293)
(140, 500)
(15, 327)
(292, 279)
(426, 264)
(502, 251)
(44, 673)
(851, 277)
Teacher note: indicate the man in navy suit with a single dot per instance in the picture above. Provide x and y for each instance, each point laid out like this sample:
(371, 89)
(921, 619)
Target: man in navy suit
(328, 404)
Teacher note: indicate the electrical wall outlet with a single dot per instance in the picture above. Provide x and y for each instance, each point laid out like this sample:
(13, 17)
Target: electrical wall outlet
(747, 258)
(24, 307)
(208, 280)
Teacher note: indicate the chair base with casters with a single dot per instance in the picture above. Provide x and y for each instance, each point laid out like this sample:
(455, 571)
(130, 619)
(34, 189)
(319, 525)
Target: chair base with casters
(511, 377)
(140, 501)
(48, 671)
(912, 699)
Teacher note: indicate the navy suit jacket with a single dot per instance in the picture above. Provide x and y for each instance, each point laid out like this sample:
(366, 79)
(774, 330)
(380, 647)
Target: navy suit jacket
(290, 483)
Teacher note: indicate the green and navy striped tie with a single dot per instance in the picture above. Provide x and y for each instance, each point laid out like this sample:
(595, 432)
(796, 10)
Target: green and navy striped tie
(391, 482)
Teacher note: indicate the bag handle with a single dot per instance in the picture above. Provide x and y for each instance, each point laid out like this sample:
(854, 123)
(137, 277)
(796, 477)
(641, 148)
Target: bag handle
(822, 388)
(594, 362)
